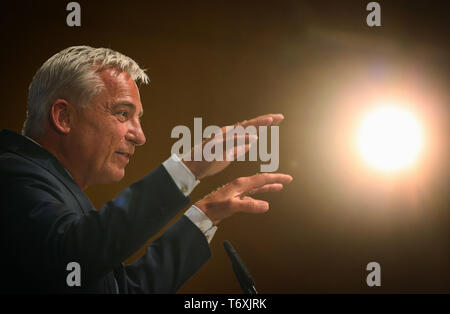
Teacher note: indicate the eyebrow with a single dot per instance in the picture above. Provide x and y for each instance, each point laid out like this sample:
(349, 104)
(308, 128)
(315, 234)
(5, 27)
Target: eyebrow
(129, 105)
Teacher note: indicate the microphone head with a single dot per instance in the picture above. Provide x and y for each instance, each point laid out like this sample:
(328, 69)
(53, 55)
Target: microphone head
(229, 248)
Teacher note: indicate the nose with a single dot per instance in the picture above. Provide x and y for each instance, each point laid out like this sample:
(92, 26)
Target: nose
(136, 135)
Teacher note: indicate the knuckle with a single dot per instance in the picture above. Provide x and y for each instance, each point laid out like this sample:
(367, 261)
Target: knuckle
(264, 176)
(239, 181)
(252, 207)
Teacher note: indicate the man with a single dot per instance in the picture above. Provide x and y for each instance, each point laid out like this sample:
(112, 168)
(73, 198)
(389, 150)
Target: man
(83, 125)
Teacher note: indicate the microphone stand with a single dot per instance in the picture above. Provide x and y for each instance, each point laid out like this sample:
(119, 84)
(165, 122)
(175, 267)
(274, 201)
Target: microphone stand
(242, 274)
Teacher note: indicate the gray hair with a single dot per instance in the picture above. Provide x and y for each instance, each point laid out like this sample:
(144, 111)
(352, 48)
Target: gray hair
(72, 74)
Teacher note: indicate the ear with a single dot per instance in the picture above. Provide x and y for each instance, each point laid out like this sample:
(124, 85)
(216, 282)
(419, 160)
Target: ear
(60, 115)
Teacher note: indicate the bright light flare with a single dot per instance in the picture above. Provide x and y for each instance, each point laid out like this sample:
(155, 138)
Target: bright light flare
(390, 138)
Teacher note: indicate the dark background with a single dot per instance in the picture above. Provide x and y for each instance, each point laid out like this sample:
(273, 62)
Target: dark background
(319, 64)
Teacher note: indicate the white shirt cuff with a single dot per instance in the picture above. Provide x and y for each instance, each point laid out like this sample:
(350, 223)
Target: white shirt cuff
(199, 218)
(183, 177)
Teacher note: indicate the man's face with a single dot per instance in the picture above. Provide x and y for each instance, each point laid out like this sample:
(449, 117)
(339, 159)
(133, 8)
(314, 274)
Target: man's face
(104, 133)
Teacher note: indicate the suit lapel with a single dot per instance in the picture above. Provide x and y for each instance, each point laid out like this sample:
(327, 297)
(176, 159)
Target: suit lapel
(18, 144)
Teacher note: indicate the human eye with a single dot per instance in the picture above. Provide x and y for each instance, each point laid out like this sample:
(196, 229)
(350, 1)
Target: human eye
(123, 115)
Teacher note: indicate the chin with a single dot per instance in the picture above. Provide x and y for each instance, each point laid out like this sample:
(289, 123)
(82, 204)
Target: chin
(113, 176)
(118, 176)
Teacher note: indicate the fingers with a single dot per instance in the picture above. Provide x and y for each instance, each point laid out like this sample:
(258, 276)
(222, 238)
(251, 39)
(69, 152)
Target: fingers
(277, 119)
(264, 120)
(238, 152)
(238, 138)
(245, 184)
(232, 151)
(275, 187)
(250, 205)
(268, 119)
(234, 196)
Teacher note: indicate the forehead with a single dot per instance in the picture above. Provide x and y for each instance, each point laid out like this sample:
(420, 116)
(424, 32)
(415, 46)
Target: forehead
(120, 88)
(117, 82)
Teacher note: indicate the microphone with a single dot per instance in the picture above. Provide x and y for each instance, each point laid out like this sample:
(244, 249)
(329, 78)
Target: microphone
(243, 276)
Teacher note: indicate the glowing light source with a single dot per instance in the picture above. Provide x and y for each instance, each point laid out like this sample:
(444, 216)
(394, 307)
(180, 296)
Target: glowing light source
(390, 138)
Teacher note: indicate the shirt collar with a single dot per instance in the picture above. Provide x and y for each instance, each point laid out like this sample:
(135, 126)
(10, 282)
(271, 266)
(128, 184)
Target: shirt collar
(41, 146)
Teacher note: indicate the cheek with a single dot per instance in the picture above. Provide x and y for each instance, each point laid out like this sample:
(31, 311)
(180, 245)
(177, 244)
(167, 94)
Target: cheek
(118, 136)
(94, 133)
(115, 140)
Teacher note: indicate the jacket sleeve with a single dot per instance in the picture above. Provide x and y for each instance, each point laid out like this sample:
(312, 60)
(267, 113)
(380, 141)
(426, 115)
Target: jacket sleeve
(168, 262)
(45, 231)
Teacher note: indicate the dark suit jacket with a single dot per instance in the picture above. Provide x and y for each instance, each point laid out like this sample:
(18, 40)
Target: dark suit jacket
(47, 221)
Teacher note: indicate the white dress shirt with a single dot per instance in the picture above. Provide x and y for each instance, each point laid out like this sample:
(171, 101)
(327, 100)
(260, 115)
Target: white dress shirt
(186, 182)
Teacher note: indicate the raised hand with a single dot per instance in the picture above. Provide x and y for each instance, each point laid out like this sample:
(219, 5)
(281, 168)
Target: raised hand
(206, 168)
(235, 196)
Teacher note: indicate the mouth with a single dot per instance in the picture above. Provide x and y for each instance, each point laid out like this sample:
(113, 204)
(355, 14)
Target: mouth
(124, 156)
